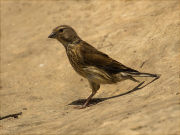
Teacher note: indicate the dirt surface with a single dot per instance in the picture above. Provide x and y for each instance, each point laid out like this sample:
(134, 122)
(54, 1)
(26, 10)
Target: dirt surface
(38, 80)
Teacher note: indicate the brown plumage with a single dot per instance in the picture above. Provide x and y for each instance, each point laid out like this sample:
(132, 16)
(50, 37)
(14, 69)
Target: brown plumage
(92, 64)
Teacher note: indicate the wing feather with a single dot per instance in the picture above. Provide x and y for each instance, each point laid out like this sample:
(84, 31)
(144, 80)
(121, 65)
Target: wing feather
(92, 57)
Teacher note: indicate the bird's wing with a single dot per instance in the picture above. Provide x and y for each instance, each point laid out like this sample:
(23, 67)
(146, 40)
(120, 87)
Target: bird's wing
(92, 57)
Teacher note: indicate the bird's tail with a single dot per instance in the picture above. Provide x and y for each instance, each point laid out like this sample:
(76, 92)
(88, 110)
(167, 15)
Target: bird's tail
(139, 74)
(131, 75)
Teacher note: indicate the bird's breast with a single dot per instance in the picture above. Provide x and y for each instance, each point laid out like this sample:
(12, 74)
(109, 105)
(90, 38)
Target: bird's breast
(76, 61)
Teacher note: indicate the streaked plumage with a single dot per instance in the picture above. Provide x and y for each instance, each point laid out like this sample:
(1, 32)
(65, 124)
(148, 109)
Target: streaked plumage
(92, 64)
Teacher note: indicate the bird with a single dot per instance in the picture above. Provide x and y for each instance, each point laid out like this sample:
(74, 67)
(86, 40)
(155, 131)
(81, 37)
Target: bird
(97, 67)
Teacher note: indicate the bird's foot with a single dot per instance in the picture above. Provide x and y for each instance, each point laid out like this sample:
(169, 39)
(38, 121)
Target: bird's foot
(92, 100)
(83, 106)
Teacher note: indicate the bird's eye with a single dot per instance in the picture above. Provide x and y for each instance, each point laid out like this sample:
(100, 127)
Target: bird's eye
(60, 30)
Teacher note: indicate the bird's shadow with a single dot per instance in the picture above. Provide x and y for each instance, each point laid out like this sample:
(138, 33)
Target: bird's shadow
(98, 100)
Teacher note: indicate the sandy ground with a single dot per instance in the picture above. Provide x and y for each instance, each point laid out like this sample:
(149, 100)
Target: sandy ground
(38, 80)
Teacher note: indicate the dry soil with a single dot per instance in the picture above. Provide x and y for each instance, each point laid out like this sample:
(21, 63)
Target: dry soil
(38, 80)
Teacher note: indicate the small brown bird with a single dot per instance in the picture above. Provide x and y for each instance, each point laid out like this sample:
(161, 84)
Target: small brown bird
(92, 64)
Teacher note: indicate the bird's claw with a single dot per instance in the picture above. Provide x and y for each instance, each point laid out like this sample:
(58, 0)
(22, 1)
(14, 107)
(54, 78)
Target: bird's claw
(83, 106)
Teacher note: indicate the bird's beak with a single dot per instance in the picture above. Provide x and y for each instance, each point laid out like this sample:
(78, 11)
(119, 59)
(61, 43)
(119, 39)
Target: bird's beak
(52, 35)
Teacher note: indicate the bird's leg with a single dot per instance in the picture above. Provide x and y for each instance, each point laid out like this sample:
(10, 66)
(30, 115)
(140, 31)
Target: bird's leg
(82, 101)
(95, 87)
(88, 99)
(86, 103)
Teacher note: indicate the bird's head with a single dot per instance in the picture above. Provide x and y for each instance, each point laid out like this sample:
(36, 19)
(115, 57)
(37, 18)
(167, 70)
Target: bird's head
(64, 34)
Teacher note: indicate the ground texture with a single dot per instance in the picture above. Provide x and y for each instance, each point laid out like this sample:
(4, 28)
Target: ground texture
(38, 80)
